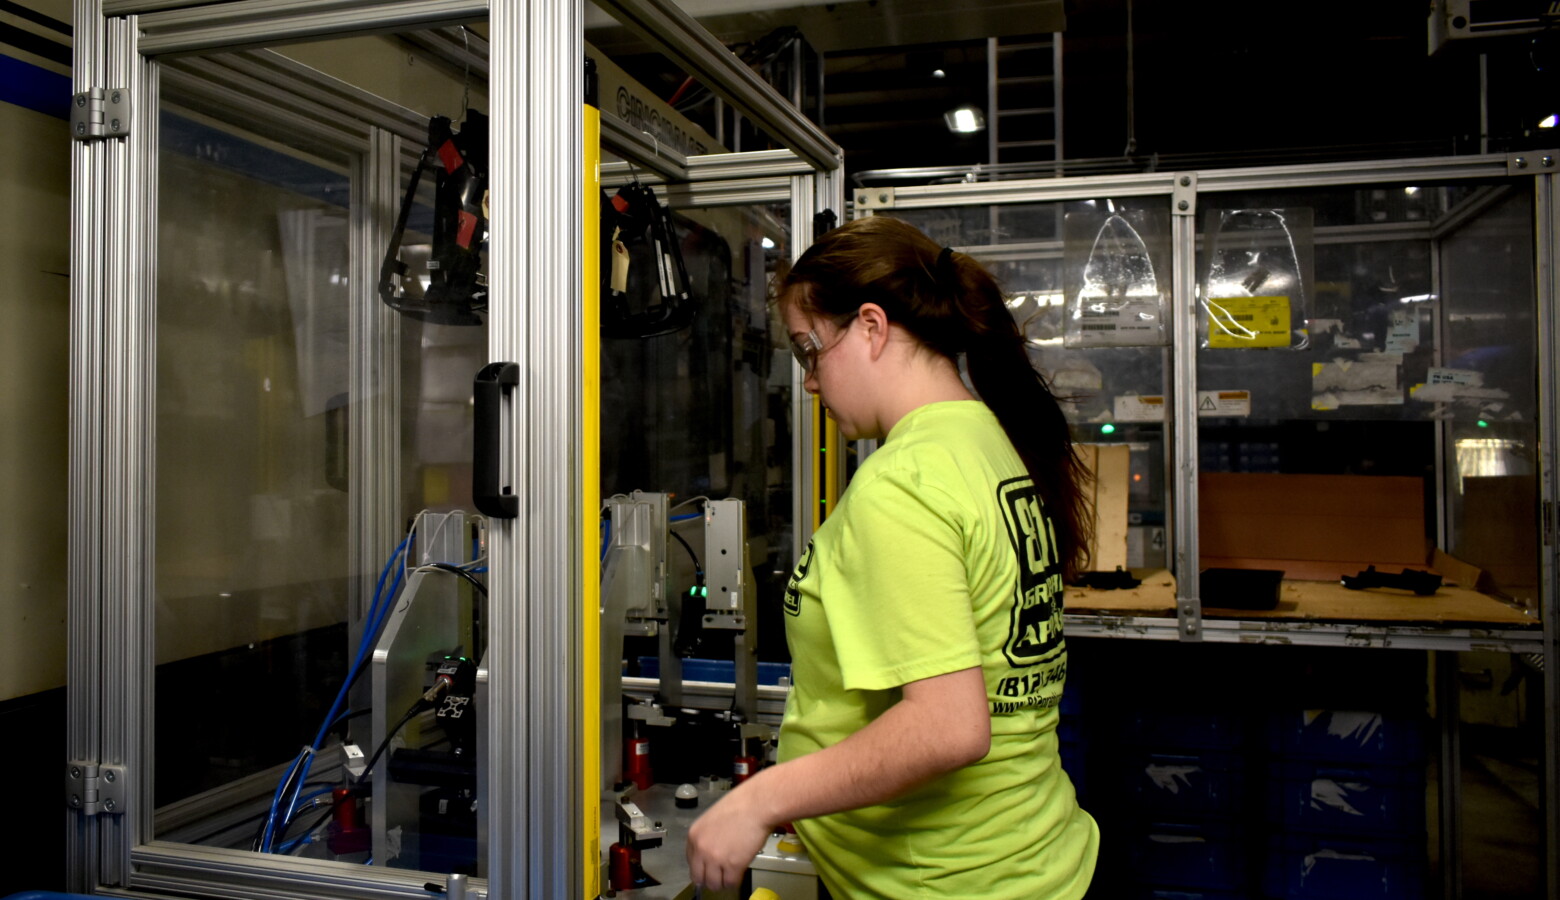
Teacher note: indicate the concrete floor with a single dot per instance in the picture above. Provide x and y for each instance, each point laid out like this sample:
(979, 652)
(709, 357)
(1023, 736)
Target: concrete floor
(1502, 827)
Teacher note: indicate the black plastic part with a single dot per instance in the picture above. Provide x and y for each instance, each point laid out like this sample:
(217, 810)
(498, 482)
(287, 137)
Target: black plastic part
(492, 499)
(1241, 588)
(435, 768)
(1118, 580)
(592, 84)
(824, 222)
(1420, 582)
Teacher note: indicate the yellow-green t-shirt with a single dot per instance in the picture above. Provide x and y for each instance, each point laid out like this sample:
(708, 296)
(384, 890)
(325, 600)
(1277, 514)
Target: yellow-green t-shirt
(939, 558)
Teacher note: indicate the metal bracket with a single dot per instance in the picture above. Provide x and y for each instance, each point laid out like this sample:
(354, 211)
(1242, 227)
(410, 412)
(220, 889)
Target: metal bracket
(1188, 619)
(875, 198)
(1533, 162)
(95, 790)
(1183, 195)
(100, 113)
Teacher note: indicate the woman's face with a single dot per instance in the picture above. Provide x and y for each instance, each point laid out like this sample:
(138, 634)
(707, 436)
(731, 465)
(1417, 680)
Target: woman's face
(829, 364)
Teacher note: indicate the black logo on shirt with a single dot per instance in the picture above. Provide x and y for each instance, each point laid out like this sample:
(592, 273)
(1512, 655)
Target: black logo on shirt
(1035, 625)
(793, 592)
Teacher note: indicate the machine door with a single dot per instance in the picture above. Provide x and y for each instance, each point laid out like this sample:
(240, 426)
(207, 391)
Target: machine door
(301, 461)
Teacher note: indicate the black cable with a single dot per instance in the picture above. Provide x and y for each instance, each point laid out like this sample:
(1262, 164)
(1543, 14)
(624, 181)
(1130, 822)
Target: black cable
(417, 707)
(479, 609)
(697, 569)
(457, 570)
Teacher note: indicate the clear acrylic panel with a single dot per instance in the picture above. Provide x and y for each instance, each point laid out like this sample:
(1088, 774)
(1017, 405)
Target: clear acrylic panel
(278, 727)
(1418, 330)
(1058, 262)
(702, 408)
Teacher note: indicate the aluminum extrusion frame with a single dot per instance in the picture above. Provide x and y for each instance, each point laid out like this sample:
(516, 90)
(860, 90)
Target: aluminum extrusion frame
(248, 23)
(684, 41)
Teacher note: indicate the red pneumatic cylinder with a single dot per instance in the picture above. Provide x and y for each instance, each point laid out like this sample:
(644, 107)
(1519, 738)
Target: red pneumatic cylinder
(743, 768)
(620, 868)
(636, 764)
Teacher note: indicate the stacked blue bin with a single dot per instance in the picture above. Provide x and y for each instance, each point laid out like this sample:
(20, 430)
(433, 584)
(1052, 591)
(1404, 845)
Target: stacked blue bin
(1188, 790)
(1345, 798)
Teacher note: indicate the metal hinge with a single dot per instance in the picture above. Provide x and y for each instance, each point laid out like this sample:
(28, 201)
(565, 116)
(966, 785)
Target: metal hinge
(1183, 195)
(100, 113)
(95, 790)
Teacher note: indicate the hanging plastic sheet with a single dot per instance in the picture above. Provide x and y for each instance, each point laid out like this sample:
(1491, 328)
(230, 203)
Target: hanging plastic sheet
(1116, 277)
(1257, 293)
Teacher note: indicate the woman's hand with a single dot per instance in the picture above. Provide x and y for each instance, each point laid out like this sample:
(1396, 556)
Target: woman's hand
(724, 840)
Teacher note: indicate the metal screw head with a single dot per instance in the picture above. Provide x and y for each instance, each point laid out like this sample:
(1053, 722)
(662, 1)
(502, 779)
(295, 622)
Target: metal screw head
(1191, 629)
(75, 771)
(882, 198)
(1547, 161)
(1520, 162)
(108, 776)
(81, 101)
(1183, 206)
(114, 124)
(108, 804)
(75, 801)
(1186, 181)
(81, 128)
(115, 96)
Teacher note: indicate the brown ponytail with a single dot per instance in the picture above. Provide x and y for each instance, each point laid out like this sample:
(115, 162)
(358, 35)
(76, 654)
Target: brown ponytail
(951, 304)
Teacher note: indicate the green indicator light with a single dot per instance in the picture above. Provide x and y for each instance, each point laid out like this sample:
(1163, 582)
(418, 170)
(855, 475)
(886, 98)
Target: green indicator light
(704, 592)
(823, 449)
(1107, 428)
(1483, 424)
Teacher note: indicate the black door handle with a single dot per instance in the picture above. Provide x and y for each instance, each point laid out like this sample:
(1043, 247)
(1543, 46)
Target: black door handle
(492, 499)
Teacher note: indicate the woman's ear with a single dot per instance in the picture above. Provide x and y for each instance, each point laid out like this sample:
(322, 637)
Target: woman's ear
(874, 324)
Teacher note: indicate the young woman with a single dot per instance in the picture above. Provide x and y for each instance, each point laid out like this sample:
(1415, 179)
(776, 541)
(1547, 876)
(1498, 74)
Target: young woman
(918, 754)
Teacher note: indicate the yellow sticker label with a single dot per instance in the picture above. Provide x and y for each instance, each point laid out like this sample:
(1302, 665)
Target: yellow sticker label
(1236, 322)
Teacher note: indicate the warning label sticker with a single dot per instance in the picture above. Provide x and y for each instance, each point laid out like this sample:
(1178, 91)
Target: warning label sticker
(1151, 408)
(1223, 403)
(1138, 408)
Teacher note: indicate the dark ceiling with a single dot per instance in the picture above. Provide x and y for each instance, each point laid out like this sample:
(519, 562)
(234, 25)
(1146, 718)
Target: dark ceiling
(1214, 82)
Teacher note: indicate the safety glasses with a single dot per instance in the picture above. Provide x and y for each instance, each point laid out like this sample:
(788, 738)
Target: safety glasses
(806, 349)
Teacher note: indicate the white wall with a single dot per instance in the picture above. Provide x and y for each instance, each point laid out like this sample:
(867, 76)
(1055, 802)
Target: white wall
(34, 368)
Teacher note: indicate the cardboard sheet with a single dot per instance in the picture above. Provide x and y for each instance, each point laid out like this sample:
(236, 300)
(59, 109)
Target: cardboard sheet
(1329, 601)
(1110, 464)
(1311, 601)
(1154, 597)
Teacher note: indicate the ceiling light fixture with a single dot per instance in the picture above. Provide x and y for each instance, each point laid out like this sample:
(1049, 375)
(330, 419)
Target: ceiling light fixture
(1549, 122)
(964, 120)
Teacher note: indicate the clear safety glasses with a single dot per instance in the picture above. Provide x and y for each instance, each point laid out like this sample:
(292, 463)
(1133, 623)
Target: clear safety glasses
(806, 349)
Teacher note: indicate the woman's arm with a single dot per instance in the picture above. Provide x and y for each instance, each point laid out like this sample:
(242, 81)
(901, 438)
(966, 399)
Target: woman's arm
(940, 724)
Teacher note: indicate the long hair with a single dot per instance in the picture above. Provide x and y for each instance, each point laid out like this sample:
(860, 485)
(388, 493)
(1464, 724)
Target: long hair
(952, 305)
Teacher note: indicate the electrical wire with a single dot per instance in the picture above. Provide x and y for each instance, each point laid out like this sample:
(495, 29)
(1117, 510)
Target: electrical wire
(456, 570)
(421, 704)
(678, 506)
(308, 835)
(298, 772)
(698, 569)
